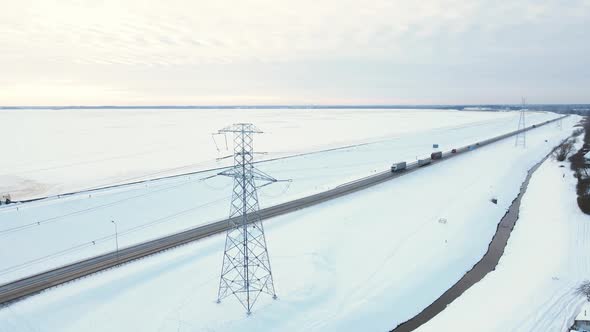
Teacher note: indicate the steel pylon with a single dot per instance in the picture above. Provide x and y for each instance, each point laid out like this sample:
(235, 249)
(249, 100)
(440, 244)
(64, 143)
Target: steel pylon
(521, 135)
(245, 271)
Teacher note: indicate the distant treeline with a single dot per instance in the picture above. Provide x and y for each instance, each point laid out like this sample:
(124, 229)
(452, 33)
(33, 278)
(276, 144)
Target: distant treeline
(558, 108)
(582, 167)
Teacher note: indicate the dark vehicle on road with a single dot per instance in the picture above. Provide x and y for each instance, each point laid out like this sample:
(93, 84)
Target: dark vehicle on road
(454, 151)
(436, 155)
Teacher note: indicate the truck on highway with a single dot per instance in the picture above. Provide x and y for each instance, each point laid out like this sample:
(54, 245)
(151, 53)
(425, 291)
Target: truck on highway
(398, 167)
(436, 155)
(423, 162)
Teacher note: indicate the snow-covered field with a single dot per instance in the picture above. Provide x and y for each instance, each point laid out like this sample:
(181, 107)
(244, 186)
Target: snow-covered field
(48, 152)
(366, 261)
(57, 231)
(546, 259)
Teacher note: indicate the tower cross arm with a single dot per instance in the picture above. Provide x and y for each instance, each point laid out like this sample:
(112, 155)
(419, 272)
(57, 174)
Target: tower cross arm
(240, 128)
(260, 175)
(254, 173)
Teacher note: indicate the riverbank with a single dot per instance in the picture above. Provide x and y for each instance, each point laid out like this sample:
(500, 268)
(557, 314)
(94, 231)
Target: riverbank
(486, 265)
(533, 286)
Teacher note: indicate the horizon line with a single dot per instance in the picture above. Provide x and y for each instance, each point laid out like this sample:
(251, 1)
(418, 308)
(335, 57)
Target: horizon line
(281, 106)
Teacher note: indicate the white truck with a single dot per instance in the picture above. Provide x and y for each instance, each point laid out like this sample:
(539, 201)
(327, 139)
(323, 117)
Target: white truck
(398, 167)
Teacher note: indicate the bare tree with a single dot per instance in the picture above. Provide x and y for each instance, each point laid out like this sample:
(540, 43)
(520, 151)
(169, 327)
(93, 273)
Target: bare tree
(563, 151)
(584, 289)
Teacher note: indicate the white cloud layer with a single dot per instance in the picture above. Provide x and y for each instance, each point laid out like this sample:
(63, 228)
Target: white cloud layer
(272, 52)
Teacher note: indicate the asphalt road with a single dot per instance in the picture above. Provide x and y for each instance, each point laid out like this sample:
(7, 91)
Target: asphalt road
(33, 284)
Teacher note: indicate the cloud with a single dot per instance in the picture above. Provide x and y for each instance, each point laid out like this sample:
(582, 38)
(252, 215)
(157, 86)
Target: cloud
(123, 43)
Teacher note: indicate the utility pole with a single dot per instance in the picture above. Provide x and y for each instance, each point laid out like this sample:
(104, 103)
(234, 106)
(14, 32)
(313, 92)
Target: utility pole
(521, 135)
(245, 272)
(116, 239)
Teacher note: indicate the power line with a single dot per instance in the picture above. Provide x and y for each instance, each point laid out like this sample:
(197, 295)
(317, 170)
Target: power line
(94, 208)
(521, 135)
(559, 124)
(106, 238)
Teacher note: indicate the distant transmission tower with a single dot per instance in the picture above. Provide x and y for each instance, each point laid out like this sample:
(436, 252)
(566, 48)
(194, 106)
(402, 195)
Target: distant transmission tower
(246, 271)
(558, 124)
(521, 135)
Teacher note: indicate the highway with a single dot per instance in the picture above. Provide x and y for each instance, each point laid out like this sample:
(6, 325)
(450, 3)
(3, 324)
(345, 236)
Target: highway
(27, 286)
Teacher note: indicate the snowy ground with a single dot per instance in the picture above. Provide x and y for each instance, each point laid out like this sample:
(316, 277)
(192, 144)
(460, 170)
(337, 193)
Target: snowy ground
(54, 232)
(547, 257)
(366, 261)
(47, 152)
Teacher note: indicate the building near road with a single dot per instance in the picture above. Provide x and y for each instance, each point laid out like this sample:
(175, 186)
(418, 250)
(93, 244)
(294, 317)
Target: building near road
(582, 322)
(5, 199)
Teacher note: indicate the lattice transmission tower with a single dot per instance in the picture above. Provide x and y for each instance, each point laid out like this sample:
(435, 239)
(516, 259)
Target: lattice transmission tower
(245, 272)
(558, 124)
(521, 135)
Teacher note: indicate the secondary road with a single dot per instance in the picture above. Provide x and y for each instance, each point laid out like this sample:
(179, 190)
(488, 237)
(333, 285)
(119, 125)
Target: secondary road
(33, 284)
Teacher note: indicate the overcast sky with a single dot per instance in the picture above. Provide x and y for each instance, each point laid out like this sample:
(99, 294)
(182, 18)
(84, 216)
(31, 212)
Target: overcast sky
(122, 52)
